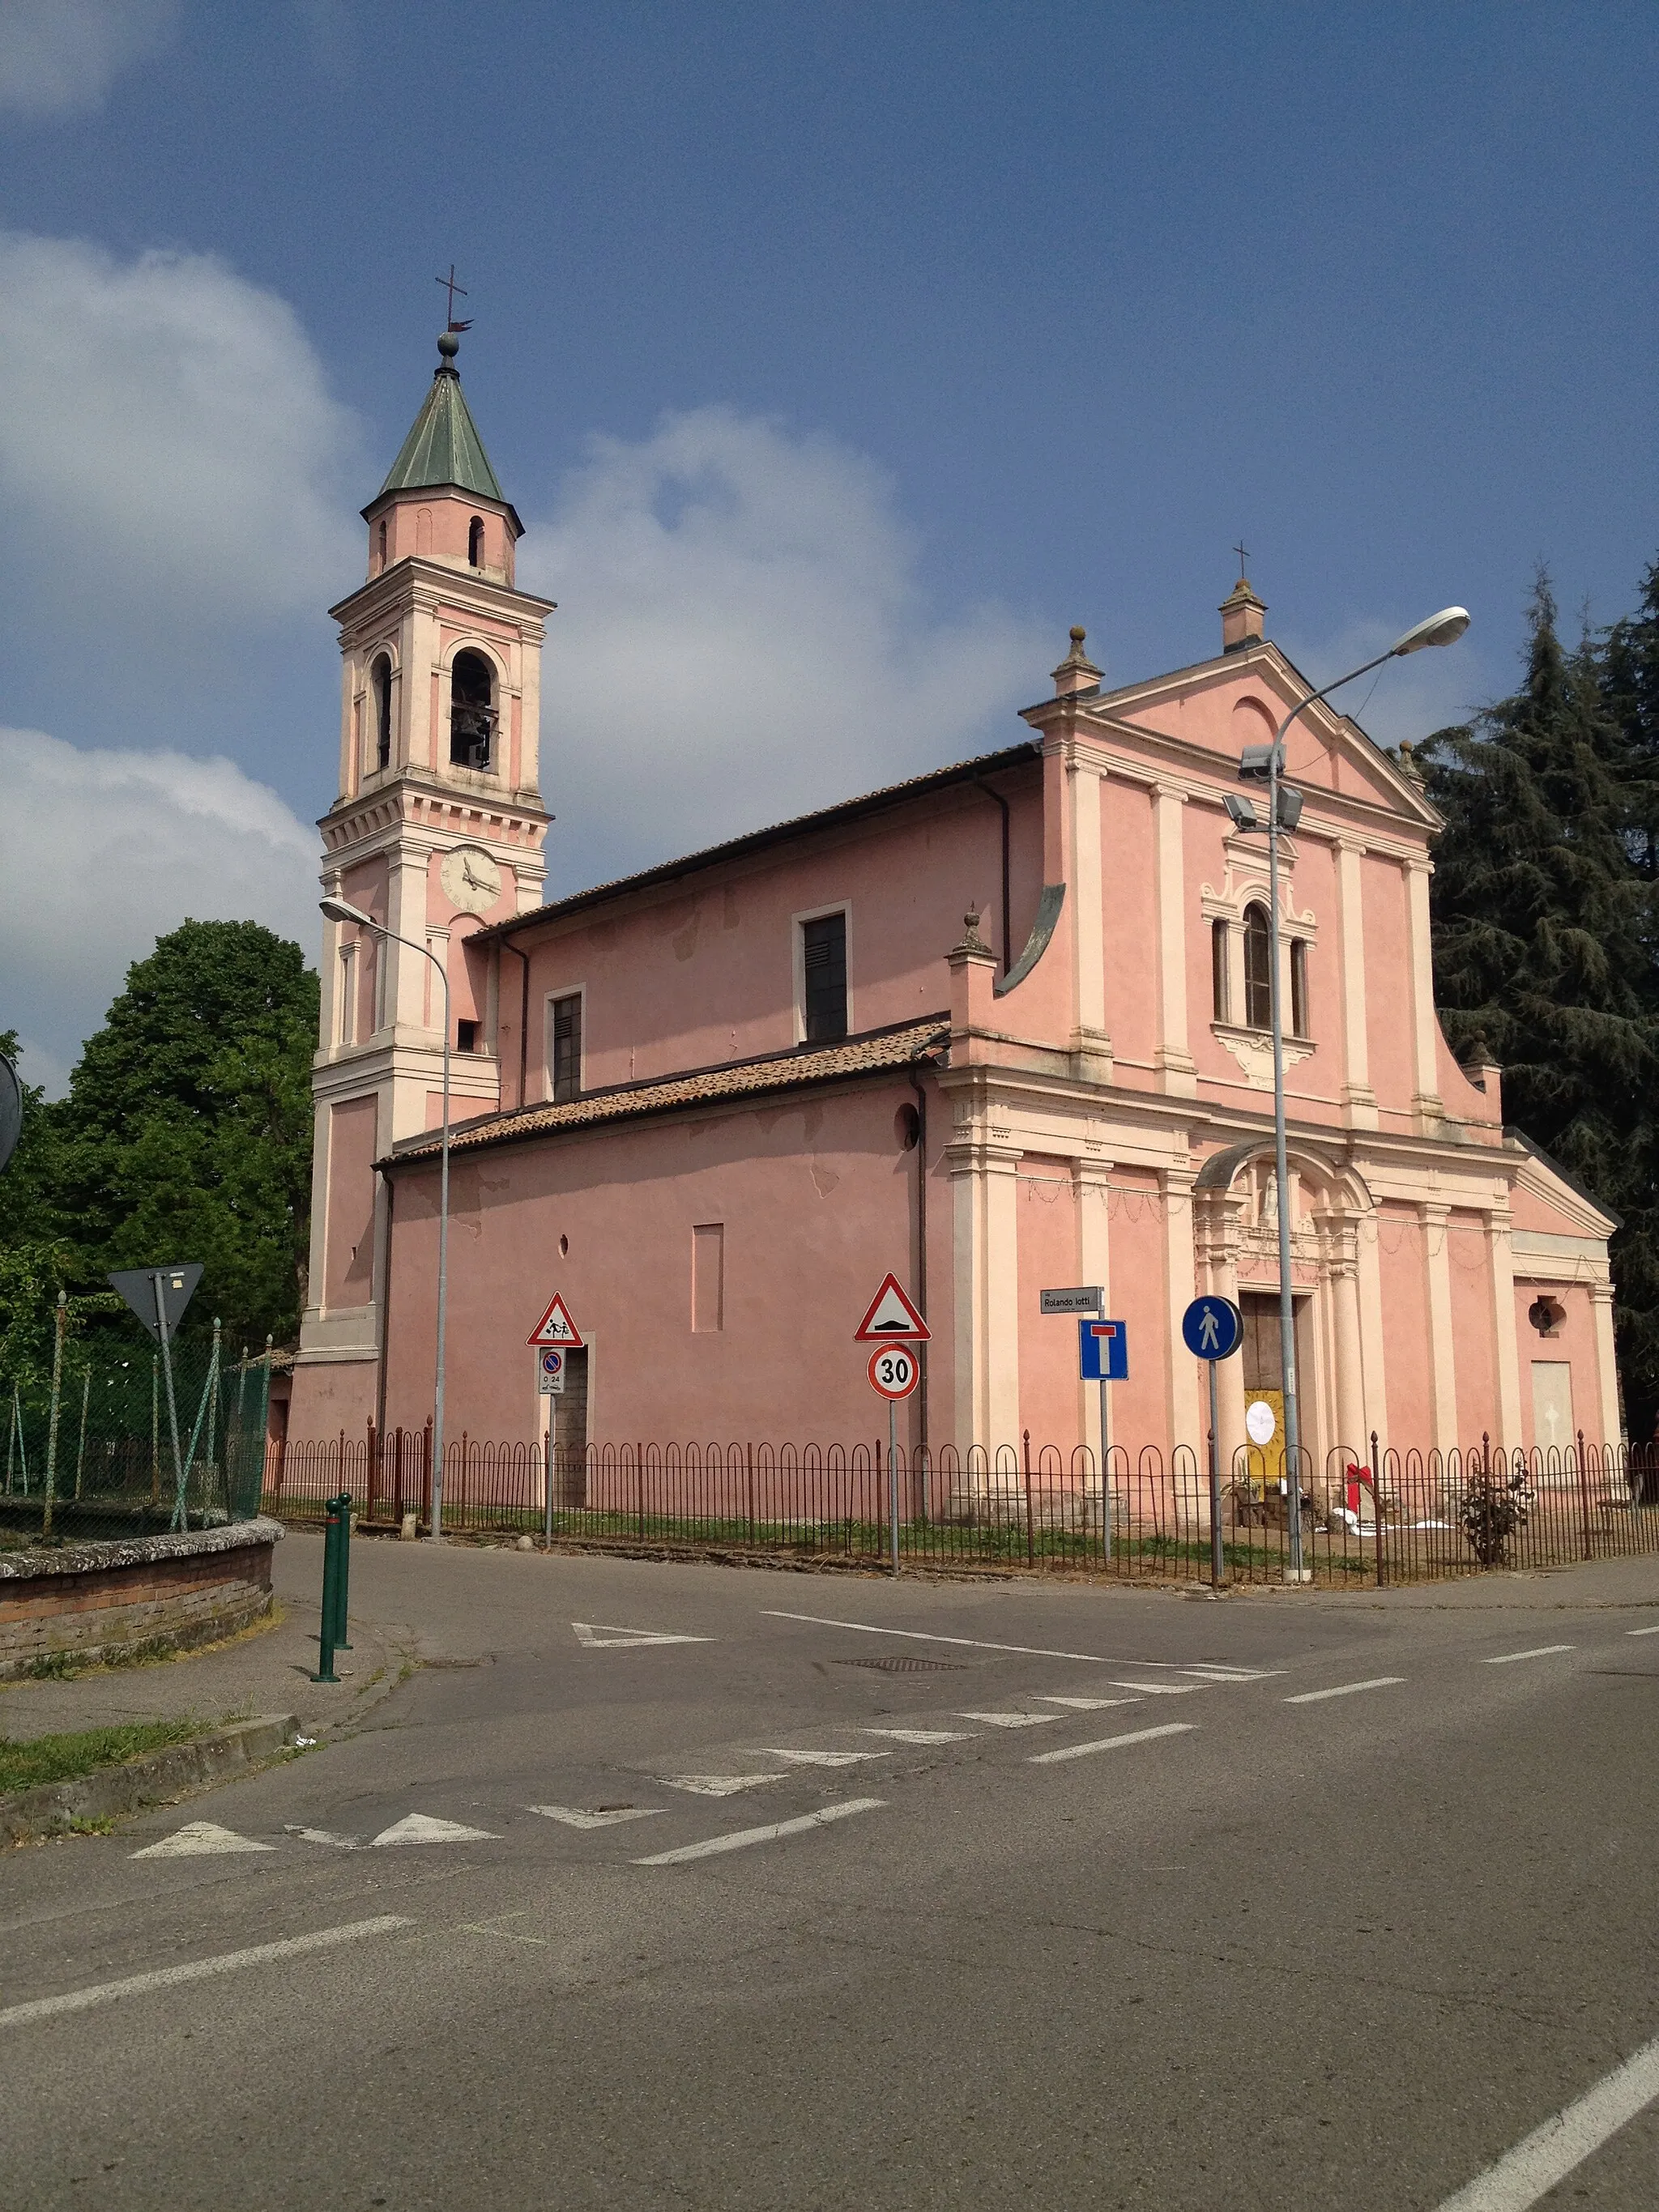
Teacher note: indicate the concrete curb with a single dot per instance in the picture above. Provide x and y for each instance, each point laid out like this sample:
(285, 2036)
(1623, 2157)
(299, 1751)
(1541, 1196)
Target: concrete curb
(156, 1778)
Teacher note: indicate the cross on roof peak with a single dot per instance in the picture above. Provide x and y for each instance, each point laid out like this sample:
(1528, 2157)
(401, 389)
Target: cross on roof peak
(452, 288)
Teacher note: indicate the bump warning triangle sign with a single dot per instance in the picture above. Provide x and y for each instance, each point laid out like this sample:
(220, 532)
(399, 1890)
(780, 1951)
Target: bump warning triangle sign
(890, 1315)
(555, 1327)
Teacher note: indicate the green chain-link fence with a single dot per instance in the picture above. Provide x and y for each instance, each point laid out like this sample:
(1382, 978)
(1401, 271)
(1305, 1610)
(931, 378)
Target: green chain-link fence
(89, 1450)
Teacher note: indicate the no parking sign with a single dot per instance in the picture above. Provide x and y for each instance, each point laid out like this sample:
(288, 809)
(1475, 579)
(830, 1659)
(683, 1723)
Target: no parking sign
(549, 1367)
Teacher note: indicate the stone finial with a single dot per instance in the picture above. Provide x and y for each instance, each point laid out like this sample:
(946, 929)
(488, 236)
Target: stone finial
(1240, 613)
(972, 940)
(1408, 767)
(1076, 672)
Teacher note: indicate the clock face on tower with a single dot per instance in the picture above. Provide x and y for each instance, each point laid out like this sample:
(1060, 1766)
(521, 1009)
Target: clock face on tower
(471, 879)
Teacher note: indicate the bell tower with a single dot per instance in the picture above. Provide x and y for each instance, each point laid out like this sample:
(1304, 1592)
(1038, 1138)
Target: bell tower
(437, 832)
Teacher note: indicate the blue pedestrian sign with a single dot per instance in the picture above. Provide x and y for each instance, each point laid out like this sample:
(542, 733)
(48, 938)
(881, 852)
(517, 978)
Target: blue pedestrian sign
(1213, 1327)
(1102, 1351)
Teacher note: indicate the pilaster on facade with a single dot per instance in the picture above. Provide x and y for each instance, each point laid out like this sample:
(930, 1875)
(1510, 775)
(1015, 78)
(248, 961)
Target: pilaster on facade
(1606, 1367)
(1347, 1332)
(1358, 1098)
(1435, 1217)
(1175, 1185)
(1175, 1069)
(1091, 1197)
(1086, 894)
(983, 1166)
(1426, 1102)
(1500, 1261)
(1218, 1217)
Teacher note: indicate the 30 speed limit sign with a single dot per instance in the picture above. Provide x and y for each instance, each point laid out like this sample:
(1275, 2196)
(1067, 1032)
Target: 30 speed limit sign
(895, 1370)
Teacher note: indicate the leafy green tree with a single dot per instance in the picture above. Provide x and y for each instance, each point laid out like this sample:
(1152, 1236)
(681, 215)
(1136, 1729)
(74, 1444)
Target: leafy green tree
(1630, 690)
(1545, 936)
(186, 1133)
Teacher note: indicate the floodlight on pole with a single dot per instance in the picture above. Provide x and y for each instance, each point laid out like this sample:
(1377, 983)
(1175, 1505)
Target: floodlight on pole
(1242, 812)
(1257, 762)
(339, 909)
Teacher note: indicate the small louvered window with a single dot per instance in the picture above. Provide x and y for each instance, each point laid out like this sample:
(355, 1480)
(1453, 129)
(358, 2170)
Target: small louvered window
(824, 957)
(567, 1048)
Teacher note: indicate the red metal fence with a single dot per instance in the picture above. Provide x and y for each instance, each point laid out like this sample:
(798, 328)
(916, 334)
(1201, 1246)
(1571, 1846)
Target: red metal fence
(1375, 1516)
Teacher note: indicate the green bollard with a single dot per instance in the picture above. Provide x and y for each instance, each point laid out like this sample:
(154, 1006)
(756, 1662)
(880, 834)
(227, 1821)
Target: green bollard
(325, 1628)
(343, 1572)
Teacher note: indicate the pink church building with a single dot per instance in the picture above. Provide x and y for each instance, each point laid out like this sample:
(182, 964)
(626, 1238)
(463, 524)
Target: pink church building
(711, 1105)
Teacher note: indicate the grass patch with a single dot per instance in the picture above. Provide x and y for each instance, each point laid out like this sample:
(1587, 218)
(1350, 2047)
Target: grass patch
(84, 1751)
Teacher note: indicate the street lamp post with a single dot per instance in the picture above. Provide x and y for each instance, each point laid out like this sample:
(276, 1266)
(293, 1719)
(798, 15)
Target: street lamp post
(1267, 761)
(337, 909)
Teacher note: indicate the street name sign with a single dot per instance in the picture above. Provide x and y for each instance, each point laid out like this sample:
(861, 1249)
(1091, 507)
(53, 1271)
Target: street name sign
(1212, 1328)
(137, 1286)
(1086, 1299)
(555, 1328)
(895, 1370)
(1102, 1351)
(891, 1314)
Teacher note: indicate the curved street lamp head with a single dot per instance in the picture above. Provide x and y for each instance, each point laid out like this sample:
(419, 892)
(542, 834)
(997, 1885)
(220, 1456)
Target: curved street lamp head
(337, 909)
(1443, 628)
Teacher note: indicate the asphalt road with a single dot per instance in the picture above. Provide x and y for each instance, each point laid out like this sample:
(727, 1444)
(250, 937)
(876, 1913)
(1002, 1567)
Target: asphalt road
(1131, 1915)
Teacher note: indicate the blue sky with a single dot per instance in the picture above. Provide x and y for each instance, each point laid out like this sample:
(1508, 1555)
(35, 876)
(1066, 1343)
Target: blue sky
(843, 354)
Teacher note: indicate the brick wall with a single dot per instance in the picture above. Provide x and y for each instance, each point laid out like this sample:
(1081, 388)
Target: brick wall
(115, 1611)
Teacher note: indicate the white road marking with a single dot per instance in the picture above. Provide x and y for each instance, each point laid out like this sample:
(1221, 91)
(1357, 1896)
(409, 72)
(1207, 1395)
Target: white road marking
(1088, 1705)
(1550, 2153)
(1642, 1632)
(1538, 1652)
(1160, 1689)
(573, 1817)
(744, 1837)
(971, 1642)
(715, 1785)
(1014, 1720)
(195, 1838)
(228, 1962)
(823, 1758)
(1219, 1674)
(600, 1635)
(423, 1828)
(1345, 1690)
(1111, 1742)
(324, 1836)
(922, 1735)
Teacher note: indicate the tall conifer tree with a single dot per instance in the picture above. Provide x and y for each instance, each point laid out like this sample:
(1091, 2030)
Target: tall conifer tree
(1544, 949)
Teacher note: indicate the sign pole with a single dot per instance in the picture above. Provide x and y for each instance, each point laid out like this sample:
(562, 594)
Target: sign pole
(1216, 1562)
(547, 1484)
(173, 1405)
(1105, 1469)
(892, 1478)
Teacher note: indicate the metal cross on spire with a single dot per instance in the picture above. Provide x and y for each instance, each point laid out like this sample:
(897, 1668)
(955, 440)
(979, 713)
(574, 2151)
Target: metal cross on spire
(453, 288)
(1241, 549)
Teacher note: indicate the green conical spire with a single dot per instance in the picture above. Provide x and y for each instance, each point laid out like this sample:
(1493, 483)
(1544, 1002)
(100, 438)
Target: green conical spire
(444, 446)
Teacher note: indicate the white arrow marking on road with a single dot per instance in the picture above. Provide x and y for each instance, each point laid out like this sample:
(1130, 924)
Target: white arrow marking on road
(599, 1636)
(573, 1817)
(716, 1785)
(822, 1758)
(921, 1735)
(1088, 1705)
(324, 1836)
(423, 1828)
(1012, 1720)
(197, 1837)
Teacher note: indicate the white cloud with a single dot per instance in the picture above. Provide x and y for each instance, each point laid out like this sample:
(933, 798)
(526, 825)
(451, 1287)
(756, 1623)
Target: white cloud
(101, 852)
(168, 447)
(741, 637)
(60, 57)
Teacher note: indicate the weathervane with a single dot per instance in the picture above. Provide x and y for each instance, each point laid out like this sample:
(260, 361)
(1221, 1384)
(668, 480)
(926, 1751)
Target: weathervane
(453, 288)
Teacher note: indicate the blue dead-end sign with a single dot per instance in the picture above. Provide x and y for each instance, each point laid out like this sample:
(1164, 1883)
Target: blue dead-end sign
(1213, 1327)
(1102, 1351)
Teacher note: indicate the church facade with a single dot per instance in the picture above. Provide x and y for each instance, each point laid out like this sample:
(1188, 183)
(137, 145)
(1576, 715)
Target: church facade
(999, 1028)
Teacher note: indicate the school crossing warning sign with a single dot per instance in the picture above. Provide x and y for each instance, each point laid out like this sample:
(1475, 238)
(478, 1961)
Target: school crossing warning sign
(891, 1315)
(556, 1327)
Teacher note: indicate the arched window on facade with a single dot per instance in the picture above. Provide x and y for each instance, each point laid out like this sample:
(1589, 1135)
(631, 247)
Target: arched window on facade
(471, 711)
(1221, 985)
(380, 678)
(1258, 969)
(475, 542)
(1299, 986)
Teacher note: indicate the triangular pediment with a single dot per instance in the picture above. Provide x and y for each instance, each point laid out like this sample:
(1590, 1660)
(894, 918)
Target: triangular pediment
(1215, 707)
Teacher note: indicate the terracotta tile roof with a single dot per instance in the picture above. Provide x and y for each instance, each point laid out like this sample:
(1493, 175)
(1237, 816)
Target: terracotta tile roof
(779, 1071)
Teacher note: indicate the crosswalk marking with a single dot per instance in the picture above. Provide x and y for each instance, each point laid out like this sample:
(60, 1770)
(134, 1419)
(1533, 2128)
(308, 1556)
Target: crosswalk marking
(1111, 1742)
(423, 1828)
(715, 1785)
(921, 1735)
(823, 1758)
(1014, 1720)
(1088, 1705)
(324, 1836)
(743, 1837)
(1160, 1689)
(600, 1635)
(195, 1839)
(573, 1817)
